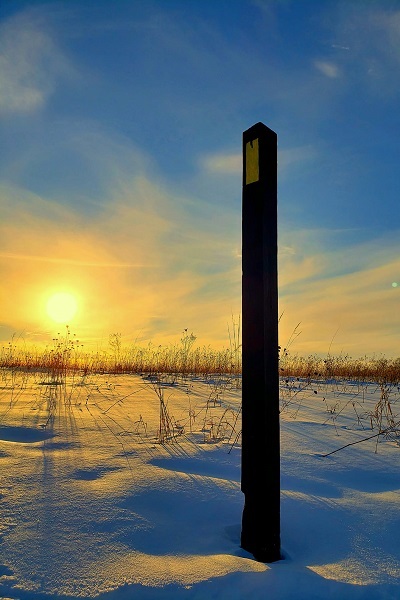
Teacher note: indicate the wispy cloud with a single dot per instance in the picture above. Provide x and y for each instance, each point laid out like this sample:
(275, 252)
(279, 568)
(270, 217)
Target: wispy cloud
(140, 260)
(371, 38)
(30, 63)
(145, 263)
(66, 261)
(298, 154)
(339, 47)
(222, 163)
(344, 289)
(227, 164)
(144, 257)
(329, 69)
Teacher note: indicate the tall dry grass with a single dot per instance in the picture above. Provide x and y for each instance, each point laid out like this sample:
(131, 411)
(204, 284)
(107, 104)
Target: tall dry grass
(64, 372)
(66, 355)
(366, 368)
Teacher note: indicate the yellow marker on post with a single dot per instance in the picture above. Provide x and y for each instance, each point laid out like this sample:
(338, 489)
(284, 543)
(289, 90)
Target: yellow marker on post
(252, 162)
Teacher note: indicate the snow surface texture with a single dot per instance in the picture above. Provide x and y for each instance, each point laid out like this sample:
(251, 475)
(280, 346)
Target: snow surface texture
(93, 506)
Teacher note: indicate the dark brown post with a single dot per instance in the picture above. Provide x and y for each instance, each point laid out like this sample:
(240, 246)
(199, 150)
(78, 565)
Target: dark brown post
(260, 479)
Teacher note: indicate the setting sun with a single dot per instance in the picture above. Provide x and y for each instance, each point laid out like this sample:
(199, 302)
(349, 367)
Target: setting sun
(61, 307)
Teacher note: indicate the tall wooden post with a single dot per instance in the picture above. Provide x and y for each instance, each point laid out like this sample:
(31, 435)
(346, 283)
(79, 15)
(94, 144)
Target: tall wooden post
(260, 480)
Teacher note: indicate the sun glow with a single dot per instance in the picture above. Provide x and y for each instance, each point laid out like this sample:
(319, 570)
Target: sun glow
(62, 307)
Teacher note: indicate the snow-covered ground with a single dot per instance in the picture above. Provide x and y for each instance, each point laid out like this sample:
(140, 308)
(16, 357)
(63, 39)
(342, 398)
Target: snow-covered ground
(93, 506)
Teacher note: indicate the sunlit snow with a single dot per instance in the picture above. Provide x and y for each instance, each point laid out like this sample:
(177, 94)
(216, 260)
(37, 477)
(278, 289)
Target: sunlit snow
(93, 505)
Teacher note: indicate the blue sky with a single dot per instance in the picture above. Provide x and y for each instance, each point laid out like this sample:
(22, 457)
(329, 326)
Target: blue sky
(120, 175)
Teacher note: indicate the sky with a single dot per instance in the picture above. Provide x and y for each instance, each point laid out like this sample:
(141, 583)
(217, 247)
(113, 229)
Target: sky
(120, 173)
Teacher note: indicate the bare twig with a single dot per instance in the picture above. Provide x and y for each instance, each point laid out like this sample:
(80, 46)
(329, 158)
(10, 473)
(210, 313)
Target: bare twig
(383, 432)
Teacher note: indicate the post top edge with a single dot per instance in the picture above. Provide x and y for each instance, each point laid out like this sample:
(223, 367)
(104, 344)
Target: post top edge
(258, 129)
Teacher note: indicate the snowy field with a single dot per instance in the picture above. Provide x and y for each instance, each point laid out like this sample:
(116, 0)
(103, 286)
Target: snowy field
(93, 505)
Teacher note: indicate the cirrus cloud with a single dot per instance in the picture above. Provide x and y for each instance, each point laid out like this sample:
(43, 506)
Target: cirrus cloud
(30, 63)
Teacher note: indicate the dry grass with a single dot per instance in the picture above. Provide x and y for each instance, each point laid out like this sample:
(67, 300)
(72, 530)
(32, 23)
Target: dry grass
(64, 374)
(67, 354)
(342, 367)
